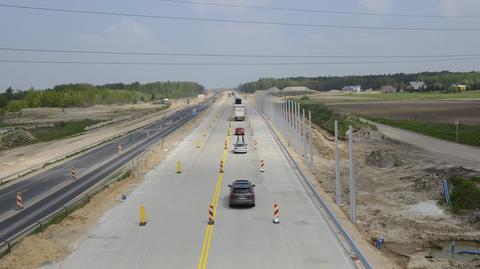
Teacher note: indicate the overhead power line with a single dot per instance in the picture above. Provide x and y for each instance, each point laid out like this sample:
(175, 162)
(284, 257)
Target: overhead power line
(144, 53)
(232, 63)
(323, 11)
(180, 18)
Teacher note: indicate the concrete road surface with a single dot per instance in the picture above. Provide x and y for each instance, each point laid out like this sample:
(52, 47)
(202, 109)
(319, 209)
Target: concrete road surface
(177, 234)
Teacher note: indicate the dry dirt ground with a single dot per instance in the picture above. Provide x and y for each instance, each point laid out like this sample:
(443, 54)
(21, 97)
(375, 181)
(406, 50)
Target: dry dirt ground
(467, 112)
(398, 188)
(25, 157)
(59, 240)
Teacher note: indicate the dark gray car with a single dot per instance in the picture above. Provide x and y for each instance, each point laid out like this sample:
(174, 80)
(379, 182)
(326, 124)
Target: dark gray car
(242, 193)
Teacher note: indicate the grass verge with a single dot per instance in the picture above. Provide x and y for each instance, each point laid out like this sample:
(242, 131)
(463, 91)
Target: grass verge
(467, 134)
(62, 129)
(465, 194)
(325, 118)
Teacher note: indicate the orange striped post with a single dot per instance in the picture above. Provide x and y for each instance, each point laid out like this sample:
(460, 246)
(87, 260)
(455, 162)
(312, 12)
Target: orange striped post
(255, 144)
(19, 201)
(73, 172)
(211, 220)
(262, 166)
(276, 213)
(225, 147)
(221, 166)
(252, 131)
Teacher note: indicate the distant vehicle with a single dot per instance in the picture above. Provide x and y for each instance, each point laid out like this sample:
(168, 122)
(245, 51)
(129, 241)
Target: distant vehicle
(242, 193)
(166, 101)
(201, 97)
(238, 101)
(240, 148)
(239, 112)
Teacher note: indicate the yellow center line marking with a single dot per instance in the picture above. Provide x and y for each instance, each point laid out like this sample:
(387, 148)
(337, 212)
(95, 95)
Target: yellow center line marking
(202, 263)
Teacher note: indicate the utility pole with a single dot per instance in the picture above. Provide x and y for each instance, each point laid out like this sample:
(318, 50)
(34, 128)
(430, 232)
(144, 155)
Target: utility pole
(456, 128)
(353, 204)
(311, 139)
(338, 186)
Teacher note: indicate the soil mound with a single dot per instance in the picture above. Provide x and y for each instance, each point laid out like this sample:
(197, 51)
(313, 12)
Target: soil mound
(383, 159)
(16, 137)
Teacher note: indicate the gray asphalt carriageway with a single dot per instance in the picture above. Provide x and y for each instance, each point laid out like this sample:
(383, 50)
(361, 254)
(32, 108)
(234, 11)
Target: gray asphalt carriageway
(177, 234)
(49, 190)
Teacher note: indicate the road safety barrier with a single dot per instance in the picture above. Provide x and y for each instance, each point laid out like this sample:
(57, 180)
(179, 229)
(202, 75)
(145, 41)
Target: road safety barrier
(143, 217)
(179, 167)
(262, 166)
(221, 166)
(336, 226)
(211, 221)
(225, 147)
(198, 143)
(251, 131)
(255, 145)
(276, 213)
(19, 201)
(204, 132)
(73, 172)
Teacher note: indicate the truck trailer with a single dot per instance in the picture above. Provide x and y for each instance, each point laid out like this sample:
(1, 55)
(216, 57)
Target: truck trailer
(239, 112)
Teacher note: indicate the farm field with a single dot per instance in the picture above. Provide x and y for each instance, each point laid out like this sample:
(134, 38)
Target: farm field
(329, 97)
(466, 112)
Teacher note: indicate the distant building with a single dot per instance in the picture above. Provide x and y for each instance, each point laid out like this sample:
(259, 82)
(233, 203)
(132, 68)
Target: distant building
(460, 87)
(353, 88)
(416, 86)
(388, 89)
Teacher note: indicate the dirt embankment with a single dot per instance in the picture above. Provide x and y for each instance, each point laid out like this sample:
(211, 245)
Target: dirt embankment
(59, 240)
(399, 189)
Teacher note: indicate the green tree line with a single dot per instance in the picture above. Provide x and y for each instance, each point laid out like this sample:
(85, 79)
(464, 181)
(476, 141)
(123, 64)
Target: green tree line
(435, 81)
(85, 95)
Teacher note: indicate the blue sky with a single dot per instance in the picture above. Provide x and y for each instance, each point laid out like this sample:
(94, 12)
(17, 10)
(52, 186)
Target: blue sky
(49, 30)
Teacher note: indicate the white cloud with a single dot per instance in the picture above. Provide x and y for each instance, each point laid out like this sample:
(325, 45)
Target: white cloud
(378, 6)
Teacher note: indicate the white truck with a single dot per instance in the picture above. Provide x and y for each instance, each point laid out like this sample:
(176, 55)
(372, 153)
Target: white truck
(239, 112)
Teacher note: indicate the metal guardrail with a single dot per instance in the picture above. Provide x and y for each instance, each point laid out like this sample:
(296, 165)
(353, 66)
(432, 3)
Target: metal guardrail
(80, 201)
(331, 215)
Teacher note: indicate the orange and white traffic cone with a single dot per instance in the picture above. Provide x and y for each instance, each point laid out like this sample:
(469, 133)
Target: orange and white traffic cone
(211, 220)
(19, 201)
(276, 214)
(262, 166)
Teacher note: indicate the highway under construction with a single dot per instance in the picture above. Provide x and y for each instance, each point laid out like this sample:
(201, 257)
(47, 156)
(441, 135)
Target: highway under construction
(180, 217)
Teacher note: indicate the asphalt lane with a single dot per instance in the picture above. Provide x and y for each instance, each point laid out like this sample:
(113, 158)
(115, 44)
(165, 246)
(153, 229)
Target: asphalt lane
(177, 234)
